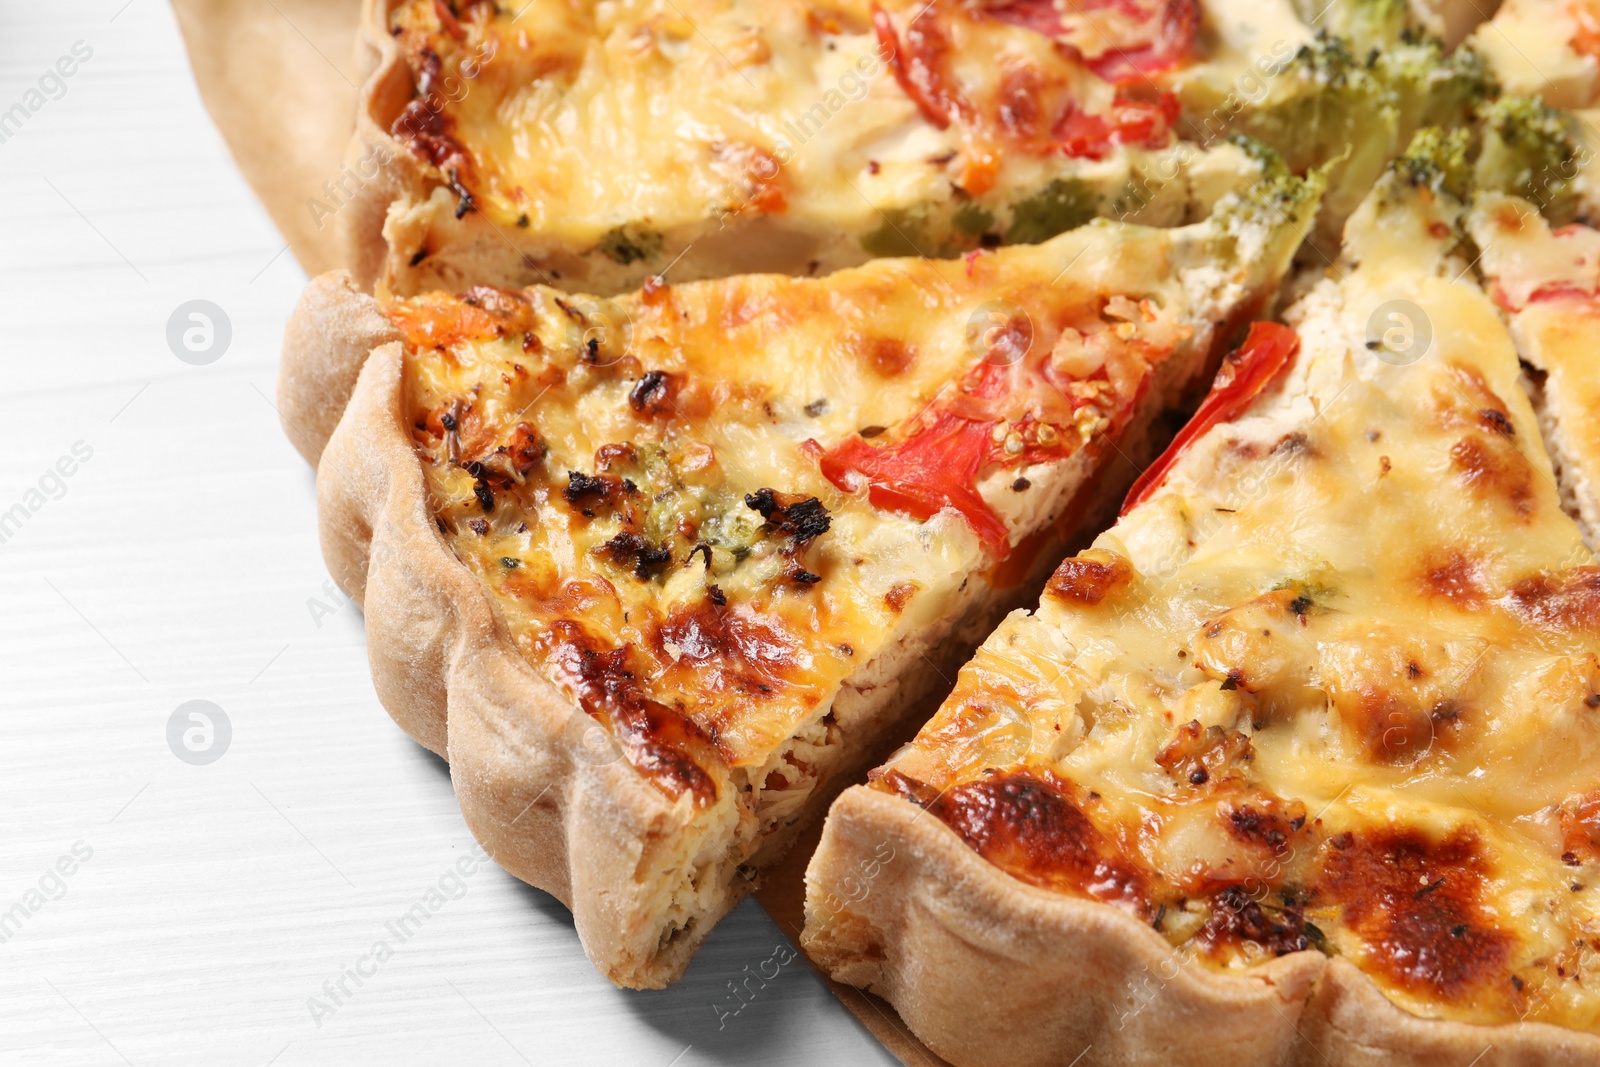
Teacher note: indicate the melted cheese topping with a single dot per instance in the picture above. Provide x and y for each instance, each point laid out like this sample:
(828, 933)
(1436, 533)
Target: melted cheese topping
(700, 509)
(1548, 284)
(633, 127)
(1545, 48)
(1336, 684)
(710, 107)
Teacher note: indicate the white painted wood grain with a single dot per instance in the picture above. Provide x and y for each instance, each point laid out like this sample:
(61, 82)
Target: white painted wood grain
(177, 563)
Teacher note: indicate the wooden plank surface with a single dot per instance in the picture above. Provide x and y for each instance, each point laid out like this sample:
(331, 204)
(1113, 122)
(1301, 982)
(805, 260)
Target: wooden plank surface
(178, 562)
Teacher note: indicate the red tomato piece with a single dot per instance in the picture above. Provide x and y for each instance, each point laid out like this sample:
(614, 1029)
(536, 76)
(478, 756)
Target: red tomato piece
(1169, 27)
(934, 469)
(921, 64)
(1080, 134)
(918, 67)
(1246, 371)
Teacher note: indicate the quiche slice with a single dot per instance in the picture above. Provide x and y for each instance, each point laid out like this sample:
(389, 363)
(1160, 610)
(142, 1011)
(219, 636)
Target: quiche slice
(590, 146)
(654, 573)
(1547, 283)
(1299, 763)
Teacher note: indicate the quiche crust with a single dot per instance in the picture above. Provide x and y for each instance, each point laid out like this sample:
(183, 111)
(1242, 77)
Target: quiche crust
(972, 959)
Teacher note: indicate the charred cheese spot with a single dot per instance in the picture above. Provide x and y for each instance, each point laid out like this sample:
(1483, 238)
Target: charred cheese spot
(1486, 456)
(888, 357)
(1265, 821)
(633, 552)
(661, 741)
(801, 518)
(1236, 919)
(898, 597)
(1417, 906)
(1385, 725)
(1294, 444)
(1399, 695)
(1199, 755)
(1476, 401)
(1089, 577)
(727, 651)
(653, 394)
(1450, 575)
(1492, 467)
(1565, 600)
(1580, 829)
(622, 455)
(1028, 826)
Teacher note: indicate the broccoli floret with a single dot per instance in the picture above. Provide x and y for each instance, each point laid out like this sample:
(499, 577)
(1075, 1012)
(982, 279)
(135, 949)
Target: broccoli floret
(1437, 159)
(1421, 197)
(939, 230)
(631, 243)
(1432, 88)
(1321, 101)
(1531, 151)
(1330, 62)
(1271, 163)
(1269, 219)
(1366, 24)
(972, 219)
(1064, 204)
(905, 231)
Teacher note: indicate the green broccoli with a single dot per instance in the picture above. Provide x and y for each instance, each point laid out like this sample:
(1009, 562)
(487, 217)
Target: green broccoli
(1279, 207)
(1534, 152)
(1322, 100)
(1430, 87)
(1439, 160)
(1269, 159)
(630, 243)
(1064, 204)
(1366, 24)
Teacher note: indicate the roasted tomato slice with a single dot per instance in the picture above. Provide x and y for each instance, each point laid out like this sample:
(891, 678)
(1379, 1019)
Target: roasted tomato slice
(918, 67)
(1244, 374)
(938, 463)
(1547, 293)
(1092, 136)
(1122, 41)
(1586, 21)
(933, 469)
(1029, 99)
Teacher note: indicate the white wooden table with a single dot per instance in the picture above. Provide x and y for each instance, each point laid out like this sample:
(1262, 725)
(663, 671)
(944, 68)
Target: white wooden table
(157, 546)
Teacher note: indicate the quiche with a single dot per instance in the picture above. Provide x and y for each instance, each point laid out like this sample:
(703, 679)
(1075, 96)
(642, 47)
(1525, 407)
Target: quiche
(1297, 763)
(1546, 283)
(657, 573)
(589, 146)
